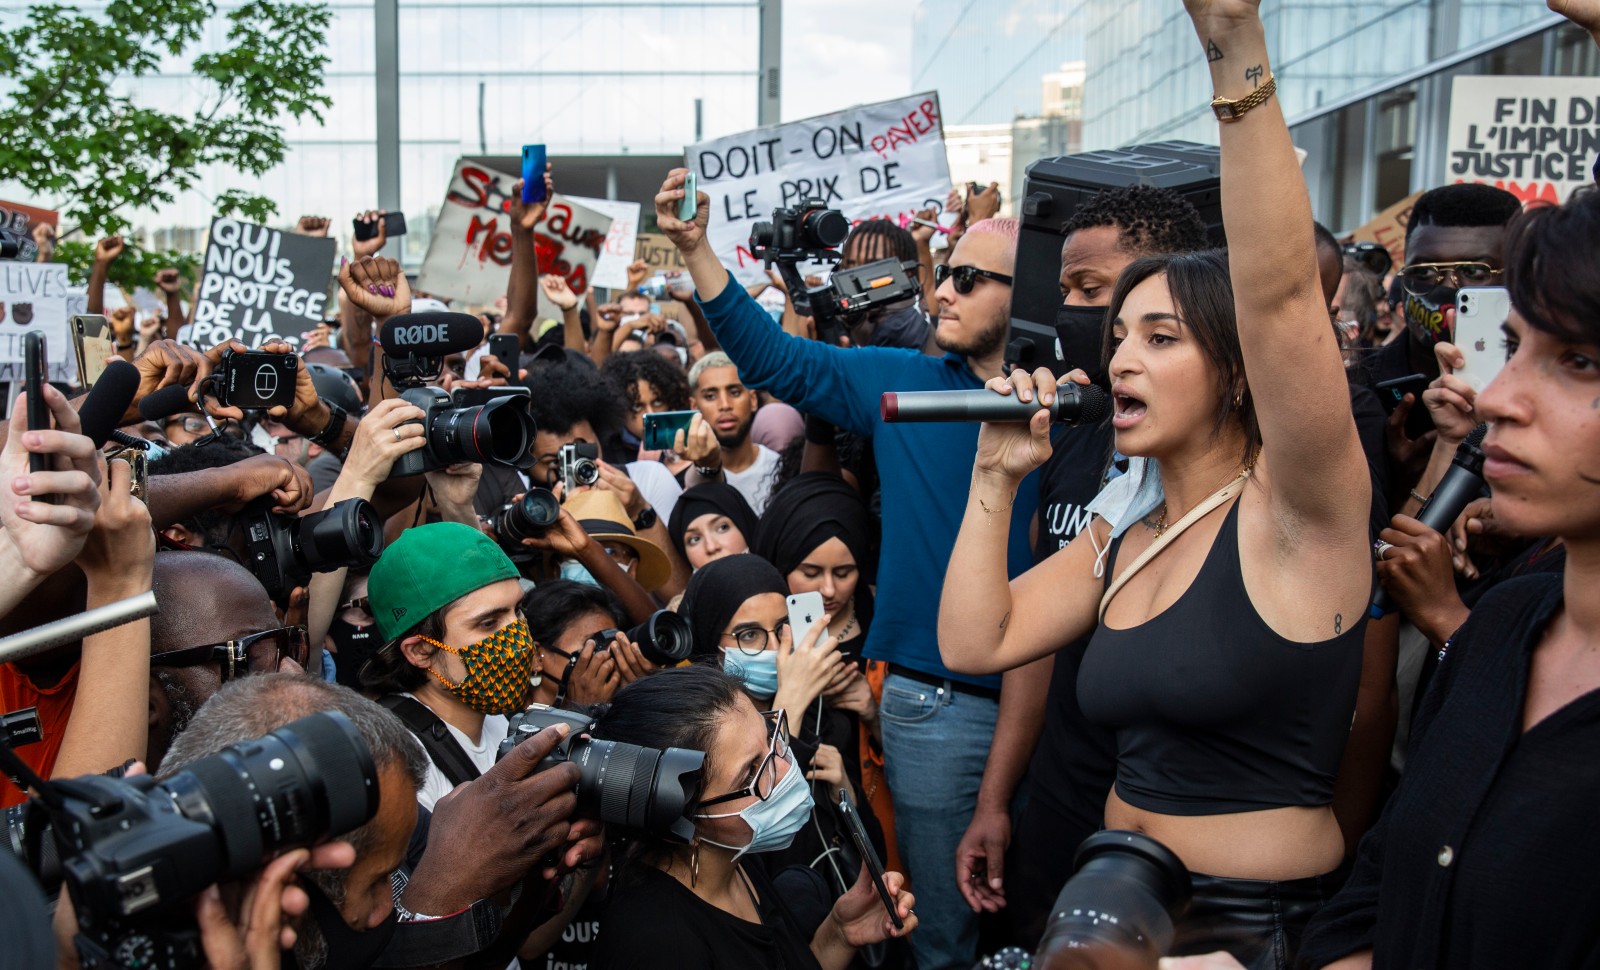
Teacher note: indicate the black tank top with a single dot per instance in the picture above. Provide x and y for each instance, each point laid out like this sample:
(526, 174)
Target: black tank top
(1214, 711)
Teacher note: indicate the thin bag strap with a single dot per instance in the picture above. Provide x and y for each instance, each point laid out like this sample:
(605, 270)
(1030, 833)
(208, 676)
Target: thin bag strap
(1194, 515)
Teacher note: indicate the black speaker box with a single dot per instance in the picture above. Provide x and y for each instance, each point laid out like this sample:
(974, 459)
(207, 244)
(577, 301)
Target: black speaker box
(1053, 188)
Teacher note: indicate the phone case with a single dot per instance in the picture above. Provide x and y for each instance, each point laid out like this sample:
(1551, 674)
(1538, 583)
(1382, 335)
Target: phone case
(1480, 311)
(805, 612)
(91, 346)
(36, 362)
(662, 428)
(690, 201)
(533, 164)
(858, 835)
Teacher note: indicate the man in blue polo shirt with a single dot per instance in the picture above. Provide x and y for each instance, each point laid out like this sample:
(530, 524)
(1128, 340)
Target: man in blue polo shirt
(937, 725)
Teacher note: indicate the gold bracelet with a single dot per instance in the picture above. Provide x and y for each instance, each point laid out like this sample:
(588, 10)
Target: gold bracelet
(985, 505)
(1228, 110)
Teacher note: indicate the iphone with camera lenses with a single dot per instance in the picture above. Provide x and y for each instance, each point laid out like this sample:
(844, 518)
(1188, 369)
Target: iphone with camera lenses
(661, 429)
(92, 343)
(805, 612)
(1480, 312)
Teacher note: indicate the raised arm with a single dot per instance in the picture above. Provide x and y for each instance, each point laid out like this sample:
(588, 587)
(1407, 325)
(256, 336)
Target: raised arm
(522, 292)
(1291, 356)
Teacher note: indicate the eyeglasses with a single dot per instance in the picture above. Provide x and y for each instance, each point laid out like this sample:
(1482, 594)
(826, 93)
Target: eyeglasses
(195, 424)
(765, 778)
(752, 640)
(362, 603)
(258, 653)
(1422, 277)
(965, 277)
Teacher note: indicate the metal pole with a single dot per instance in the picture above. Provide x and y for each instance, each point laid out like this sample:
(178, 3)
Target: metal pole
(699, 115)
(483, 136)
(770, 65)
(386, 59)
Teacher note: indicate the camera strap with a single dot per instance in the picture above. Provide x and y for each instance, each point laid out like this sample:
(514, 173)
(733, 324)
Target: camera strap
(443, 749)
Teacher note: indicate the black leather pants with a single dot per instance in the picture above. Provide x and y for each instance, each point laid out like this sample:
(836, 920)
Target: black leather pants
(1259, 922)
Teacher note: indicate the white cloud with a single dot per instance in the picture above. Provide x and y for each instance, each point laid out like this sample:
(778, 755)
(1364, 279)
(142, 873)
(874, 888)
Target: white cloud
(838, 53)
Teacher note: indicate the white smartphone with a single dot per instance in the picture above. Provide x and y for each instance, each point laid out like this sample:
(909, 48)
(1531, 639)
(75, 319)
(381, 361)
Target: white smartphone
(1480, 311)
(805, 612)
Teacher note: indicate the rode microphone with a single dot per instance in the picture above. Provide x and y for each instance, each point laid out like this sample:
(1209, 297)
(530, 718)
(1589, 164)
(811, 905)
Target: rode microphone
(430, 334)
(108, 401)
(164, 402)
(1074, 404)
(1462, 482)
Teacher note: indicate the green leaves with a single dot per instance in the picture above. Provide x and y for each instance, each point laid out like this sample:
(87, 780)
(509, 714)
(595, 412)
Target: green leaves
(134, 268)
(74, 131)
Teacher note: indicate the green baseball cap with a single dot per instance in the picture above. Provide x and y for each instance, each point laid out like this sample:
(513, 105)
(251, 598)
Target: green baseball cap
(430, 567)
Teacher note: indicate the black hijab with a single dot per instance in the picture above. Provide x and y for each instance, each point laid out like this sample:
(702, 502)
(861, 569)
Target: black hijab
(718, 589)
(711, 498)
(807, 511)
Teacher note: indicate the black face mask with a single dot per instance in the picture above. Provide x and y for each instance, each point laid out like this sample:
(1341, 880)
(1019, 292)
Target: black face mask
(347, 947)
(1081, 331)
(1424, 314)
(353, 645)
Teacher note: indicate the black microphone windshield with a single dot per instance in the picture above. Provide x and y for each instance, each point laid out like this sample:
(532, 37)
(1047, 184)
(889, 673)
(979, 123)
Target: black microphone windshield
(165, 402)
(108, 401)
(430, 334)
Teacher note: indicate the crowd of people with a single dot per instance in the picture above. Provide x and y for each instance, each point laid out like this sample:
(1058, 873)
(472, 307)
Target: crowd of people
(631, 706)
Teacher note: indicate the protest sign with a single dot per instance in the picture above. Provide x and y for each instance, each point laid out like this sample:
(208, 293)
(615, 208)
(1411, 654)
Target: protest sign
(611, 271)
(1388, 228)
(876, 160)
(658, 251)
(469, 256)
(33, 296)
(260, 283)
(1535, 137)
(16, 227)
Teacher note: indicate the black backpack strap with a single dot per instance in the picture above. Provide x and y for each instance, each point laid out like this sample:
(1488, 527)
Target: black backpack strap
(436, 738)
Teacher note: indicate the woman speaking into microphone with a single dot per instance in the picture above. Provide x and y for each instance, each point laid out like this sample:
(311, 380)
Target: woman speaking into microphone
(1228, 600)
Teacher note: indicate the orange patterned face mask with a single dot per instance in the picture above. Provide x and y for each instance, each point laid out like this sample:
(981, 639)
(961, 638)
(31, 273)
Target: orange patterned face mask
(499, 668)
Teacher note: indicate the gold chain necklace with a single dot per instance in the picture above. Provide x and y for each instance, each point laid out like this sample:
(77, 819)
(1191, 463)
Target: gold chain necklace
(1161, 521)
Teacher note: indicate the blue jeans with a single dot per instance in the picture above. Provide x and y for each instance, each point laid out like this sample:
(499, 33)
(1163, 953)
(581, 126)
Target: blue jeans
(935, 744)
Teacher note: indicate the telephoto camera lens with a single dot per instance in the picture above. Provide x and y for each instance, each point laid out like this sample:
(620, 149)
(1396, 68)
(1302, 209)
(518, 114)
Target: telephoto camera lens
(822, 228)
(348, 533)
(527, 517)
(1117, 910)
(665, 639)
(497, 433)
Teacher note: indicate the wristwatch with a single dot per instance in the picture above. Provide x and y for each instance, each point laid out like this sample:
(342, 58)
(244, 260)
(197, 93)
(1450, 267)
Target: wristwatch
(330, 432)
(1227, 110)
(705, 472)
(646, 519)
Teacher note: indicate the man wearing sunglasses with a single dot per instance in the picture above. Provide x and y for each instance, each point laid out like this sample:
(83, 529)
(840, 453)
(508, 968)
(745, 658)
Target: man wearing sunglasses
(937, 726)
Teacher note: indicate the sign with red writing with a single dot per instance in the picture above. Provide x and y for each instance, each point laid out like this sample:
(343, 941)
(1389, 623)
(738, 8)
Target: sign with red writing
(883, 160)
(1536, 137)
(469, 257)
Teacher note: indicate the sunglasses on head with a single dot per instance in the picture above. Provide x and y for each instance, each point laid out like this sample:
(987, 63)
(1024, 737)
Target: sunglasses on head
(258, 653)
(965, 277)
(1370, 255)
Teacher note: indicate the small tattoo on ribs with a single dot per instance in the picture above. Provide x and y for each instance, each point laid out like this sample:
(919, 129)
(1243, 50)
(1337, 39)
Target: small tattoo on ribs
(1338, 623)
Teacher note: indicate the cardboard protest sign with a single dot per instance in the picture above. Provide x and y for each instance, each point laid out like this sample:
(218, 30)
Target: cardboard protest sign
(1535, 137)
(612, 269)
(16, 226)
(33, 296)
(469, 257)
(658, 251)
(1388, 228)
(876, 160)
(260, 283)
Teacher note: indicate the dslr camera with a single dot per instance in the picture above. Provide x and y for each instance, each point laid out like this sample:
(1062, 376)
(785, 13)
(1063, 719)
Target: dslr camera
(284, 550)
(134, 851)
(665, 639)
(526, 518)
(498, 432)
(578, 464)
(812, 231)
(620, 784)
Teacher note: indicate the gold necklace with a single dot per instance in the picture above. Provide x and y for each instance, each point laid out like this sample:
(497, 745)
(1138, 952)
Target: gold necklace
(848, 628)
(1249, 466)
(1161, 523)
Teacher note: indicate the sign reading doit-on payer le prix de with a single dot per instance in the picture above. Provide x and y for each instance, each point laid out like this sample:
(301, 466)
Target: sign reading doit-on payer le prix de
(883, 160)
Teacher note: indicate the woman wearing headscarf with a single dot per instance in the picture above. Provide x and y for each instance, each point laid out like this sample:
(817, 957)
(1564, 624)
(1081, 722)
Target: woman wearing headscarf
(711, 520)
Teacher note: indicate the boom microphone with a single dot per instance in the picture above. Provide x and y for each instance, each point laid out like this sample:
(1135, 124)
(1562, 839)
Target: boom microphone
(1074, 404)
(436, 334)
(108, 401)
(1462, 482)
(164, 402)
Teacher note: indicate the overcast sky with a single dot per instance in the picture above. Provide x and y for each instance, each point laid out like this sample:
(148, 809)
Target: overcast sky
(837, 53)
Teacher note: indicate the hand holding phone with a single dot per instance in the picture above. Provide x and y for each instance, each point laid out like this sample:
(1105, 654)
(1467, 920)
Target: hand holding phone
(1480, 312)
(36, 373)
(690, 203)
(869, 855)
(805, 612)
(661, 429)
(507, 349)
(533, 165)
(394, 224)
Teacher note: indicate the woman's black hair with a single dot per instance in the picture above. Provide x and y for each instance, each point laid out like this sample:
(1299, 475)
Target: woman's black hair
(1551, 269)
(1203, 296)
(670, 382)
(387, 671)
(554, 605)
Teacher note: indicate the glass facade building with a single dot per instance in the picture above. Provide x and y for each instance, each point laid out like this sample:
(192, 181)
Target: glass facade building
(1365, 84)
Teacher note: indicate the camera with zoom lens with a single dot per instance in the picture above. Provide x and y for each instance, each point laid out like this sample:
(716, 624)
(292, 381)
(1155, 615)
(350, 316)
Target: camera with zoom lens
(284, 550)
(620, 784)
(498, 432)
(577, 465)
(134, 851)
(812, 231)
(1116, 911)
(666, 639)
(526, 518)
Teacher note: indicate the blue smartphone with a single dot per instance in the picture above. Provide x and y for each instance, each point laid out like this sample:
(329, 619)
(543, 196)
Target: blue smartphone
(533, 165)
(690, 201)
(662, 427)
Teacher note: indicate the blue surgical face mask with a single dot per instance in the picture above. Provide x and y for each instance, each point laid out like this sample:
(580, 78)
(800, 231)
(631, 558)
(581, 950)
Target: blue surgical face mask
(759, 673)
(573, 569)
(776, 821)
(154, 453)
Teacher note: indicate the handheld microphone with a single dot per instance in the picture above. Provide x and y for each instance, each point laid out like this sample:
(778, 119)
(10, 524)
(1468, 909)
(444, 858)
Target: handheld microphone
(1074, 404)
(108, 401)
(437, 334)
(164, 402)
(1462, 482)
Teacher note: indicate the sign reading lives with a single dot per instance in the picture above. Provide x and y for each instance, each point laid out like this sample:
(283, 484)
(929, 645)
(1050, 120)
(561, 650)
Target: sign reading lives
(883, 160)
(1536, 137)
(33, 296)
(260, 283)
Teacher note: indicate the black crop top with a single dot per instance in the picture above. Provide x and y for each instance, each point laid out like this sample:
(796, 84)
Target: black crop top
(1214, 711)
